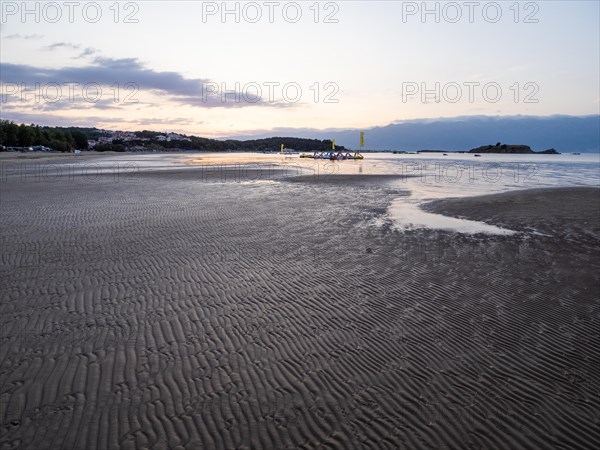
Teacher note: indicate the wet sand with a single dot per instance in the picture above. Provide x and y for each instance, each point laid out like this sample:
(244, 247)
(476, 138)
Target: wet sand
(171, 310)
(571, 213)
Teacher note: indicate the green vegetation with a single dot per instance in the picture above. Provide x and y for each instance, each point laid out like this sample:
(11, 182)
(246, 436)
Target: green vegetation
(67, 139)
(59, 139)
(255, 145)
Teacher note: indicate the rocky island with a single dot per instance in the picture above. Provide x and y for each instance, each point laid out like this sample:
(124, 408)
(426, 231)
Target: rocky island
(511, 148)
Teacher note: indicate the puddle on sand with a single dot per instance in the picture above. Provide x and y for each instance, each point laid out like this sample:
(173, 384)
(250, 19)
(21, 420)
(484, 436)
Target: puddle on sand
(260, 182)
(407, 215)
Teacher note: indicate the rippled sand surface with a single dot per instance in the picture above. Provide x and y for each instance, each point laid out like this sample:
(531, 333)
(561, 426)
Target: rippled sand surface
(180, 308)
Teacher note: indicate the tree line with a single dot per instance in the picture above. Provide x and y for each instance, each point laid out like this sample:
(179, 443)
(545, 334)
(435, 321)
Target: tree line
(70, 138)
(56, 138)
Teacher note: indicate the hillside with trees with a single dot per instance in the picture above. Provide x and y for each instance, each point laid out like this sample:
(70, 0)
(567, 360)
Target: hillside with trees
(68, 139)
(59, 139)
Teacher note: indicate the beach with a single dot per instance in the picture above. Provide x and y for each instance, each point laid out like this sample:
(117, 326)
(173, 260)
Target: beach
(236, 302)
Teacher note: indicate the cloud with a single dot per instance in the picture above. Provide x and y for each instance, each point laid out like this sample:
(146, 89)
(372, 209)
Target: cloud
(171, 121)
(57, 121)
(100, 122)
(102, 105)
(24, 36)
(570, 133)
(61, 98)
(89, 51)
(61, 45)
(129, 72)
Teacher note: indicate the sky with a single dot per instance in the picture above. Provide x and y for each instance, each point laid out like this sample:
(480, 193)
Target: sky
(163, 66)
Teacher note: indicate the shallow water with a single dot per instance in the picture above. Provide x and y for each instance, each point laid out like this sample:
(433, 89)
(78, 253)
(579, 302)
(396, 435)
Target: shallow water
(435, 176)
(426, 176)
(407, 215)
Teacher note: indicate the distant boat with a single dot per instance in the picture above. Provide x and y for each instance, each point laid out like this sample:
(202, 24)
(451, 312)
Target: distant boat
(445, 154)
(577, 153)
(476, 155)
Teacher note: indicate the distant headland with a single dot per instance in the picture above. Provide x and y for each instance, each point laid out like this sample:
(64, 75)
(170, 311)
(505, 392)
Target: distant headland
(498, 148)
(512, 149)
(15, 137)
(24, 138)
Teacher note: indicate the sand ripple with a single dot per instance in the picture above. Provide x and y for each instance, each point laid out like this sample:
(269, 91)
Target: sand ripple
(173, 312)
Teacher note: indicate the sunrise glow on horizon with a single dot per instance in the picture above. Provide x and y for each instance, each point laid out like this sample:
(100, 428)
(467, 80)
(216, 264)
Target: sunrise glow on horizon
(214, 69)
